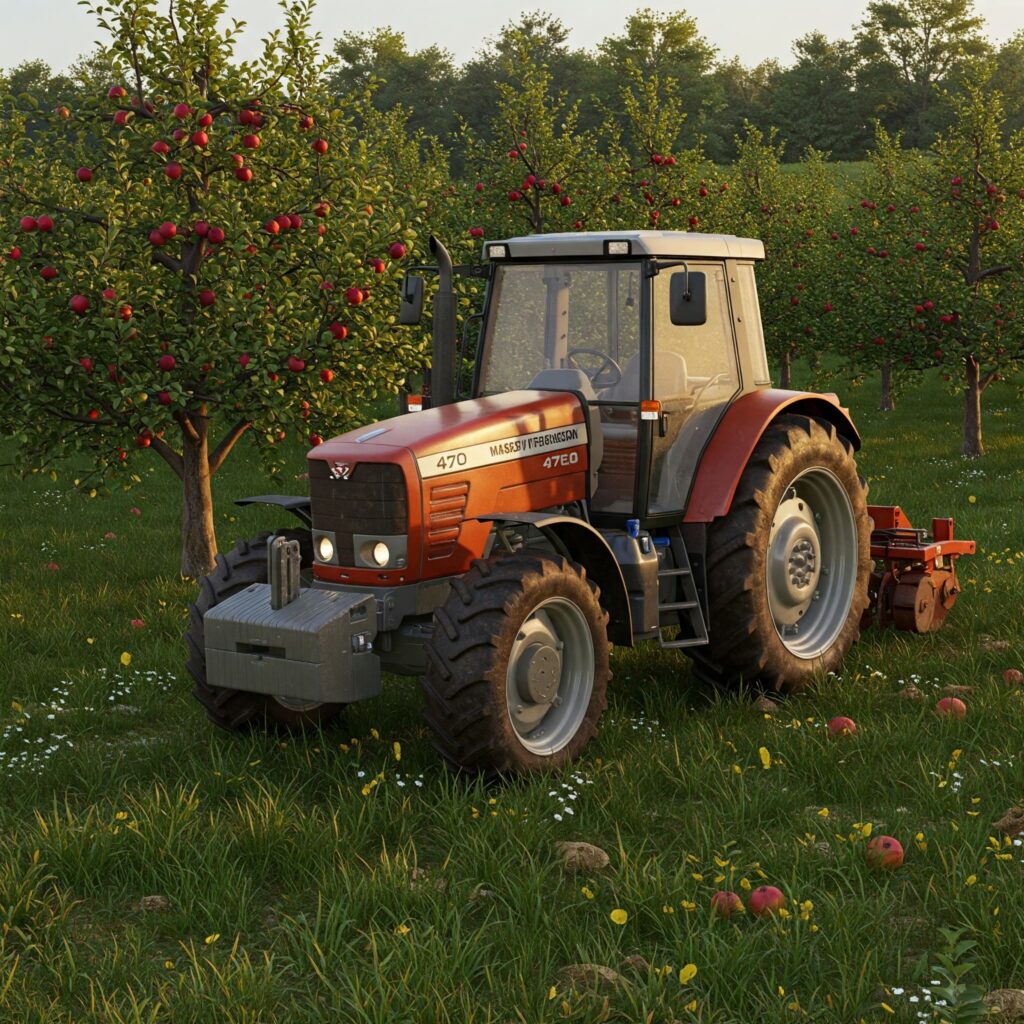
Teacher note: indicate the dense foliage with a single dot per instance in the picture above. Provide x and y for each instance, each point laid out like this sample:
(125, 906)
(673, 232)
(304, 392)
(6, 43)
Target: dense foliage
(196, 248)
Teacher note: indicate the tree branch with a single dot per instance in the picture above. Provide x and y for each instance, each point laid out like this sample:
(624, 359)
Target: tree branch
(169, 455)
(221, 452)
(188, 427)
(167, 261)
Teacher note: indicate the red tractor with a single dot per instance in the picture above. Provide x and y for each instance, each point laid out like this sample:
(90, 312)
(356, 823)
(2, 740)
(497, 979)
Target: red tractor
(620, 468)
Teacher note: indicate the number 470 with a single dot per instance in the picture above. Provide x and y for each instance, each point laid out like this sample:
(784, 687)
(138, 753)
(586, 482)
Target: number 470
(562, 459)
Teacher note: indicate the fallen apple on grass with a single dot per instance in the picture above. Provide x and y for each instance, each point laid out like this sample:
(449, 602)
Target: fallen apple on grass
(884, 853)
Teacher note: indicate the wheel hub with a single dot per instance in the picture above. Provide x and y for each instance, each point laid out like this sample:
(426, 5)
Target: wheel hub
(794, 560)
(537, 673)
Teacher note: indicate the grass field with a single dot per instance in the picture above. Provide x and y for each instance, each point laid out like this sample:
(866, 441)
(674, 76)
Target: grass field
(152, 870)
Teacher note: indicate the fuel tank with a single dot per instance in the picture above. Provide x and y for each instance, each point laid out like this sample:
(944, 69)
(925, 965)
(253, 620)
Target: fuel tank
(419, 480)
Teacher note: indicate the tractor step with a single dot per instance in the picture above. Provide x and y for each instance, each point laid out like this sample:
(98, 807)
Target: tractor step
(692, 628)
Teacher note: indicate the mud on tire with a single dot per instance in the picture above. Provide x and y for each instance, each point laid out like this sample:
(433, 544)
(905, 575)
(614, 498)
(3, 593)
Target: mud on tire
(476, 632)
(236, 710)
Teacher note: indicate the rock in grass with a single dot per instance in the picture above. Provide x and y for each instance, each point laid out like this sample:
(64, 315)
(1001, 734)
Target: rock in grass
(1006, 1004)
(153, 904)
(910, 692)
(1011, 823)
(581, 856)
(588, 977)
(636, 963)
(766, 705)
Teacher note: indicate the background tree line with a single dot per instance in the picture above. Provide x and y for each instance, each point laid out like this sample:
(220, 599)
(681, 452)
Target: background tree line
(902, 65)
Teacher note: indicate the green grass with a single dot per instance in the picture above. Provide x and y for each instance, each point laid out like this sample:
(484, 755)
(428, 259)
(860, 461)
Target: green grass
(292, 896)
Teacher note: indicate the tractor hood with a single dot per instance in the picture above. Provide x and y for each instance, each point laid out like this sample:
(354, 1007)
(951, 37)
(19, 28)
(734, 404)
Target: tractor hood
(470, 434)
(426, 481)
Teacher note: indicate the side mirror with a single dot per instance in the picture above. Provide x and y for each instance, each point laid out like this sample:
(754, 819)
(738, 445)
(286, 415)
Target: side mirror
(688, 298)
(412, 300)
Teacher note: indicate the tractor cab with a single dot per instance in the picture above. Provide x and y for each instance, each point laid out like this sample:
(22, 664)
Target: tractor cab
(657, 332)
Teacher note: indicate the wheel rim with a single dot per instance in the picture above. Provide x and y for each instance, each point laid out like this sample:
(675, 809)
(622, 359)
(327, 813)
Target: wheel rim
(550, 676)
(811, 564)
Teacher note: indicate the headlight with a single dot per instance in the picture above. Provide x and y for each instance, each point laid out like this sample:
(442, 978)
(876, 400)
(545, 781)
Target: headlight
(324, 549)
(381, 553)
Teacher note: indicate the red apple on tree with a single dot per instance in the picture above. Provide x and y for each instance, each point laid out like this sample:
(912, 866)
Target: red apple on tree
(167, 363)
(79, 304)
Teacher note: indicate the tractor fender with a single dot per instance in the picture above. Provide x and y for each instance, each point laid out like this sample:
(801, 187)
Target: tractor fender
(300, 507)
(727, 453)
(579, 541)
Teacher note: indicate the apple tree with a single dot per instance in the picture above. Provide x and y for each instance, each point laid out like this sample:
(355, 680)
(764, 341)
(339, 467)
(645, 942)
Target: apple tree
(973, 248)
(205, 250)
(788, 208)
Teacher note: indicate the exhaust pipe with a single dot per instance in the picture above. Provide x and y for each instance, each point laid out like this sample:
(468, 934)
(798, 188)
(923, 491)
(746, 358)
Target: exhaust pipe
(442, 376)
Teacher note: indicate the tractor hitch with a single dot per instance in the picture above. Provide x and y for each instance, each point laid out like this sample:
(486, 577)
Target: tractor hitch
(914, 584)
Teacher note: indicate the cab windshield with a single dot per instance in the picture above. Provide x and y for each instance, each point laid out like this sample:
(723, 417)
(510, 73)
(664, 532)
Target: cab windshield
(565, 316)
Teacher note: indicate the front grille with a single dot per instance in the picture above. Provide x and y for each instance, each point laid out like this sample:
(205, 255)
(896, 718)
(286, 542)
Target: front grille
(372, 501)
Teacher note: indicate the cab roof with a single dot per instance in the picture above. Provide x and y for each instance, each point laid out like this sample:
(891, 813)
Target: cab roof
(670, 244)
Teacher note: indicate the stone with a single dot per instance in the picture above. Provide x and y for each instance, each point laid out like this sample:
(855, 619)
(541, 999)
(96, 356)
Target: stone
(154, 903)
(636, 963)
(581, 856)
(1011, 823)
(1006, 1003)
(766, 705)
(590, 977)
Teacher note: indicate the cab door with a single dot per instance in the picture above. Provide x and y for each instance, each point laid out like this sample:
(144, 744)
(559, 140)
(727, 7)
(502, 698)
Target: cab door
(695, 377)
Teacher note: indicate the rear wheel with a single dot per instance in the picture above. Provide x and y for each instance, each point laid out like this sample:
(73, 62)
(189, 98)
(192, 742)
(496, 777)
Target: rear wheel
(518, 665)
(787, 569)
(234, 710)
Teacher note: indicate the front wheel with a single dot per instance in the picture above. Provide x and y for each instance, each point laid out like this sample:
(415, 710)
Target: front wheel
(788, 567)
(518, 665)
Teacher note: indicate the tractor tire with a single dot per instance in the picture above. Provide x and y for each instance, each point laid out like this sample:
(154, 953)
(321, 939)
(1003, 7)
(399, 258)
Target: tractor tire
(788, 567)
(517, 669)
(240, 710)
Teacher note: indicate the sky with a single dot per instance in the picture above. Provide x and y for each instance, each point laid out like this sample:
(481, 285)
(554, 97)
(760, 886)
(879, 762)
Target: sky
(58, 31)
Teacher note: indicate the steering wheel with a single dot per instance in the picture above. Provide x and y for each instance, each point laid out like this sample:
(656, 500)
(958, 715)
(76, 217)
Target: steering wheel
(606, 365)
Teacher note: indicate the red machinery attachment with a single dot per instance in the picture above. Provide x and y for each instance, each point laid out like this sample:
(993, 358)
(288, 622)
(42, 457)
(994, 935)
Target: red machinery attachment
(914, 583)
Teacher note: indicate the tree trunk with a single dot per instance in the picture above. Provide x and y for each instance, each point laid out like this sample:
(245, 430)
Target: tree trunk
(973, 447)
(786, 373)
(198, 537)
(886, 404)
